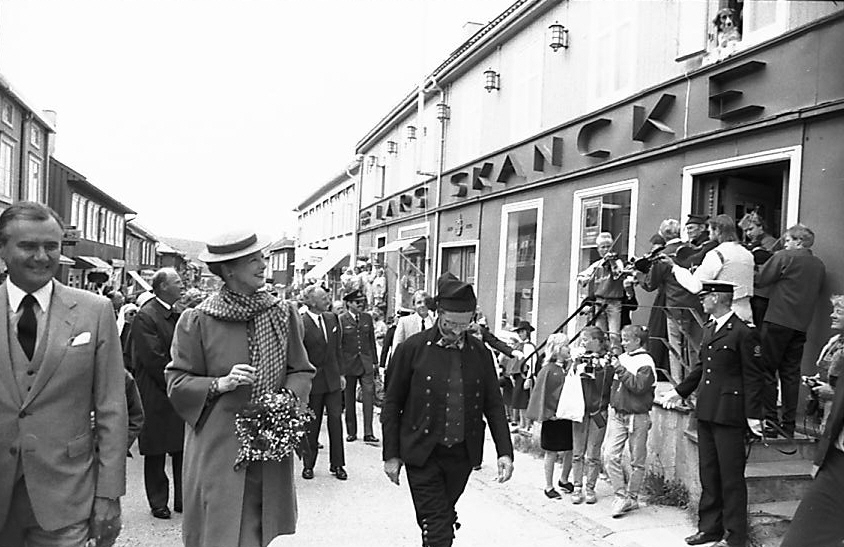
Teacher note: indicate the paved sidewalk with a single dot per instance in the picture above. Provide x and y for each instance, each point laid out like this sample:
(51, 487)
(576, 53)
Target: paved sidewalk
(583, 525)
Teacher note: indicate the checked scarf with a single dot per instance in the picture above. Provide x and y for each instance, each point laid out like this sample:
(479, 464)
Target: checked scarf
(266, 319)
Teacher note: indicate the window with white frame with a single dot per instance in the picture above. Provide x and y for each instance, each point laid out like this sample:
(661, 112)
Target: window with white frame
(91, 221)
(74, 210)
(8, 114)
(613, 50)
(526, 85)
(6, 151)
(33, 181)
(35, 136)
(120, 227)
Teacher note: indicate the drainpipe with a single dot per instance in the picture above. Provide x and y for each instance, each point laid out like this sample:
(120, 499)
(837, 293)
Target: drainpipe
(438, 184)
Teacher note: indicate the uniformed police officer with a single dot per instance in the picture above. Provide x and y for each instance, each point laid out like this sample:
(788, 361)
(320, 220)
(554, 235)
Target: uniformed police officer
(443, 384)
(729, 380)
(360, 364)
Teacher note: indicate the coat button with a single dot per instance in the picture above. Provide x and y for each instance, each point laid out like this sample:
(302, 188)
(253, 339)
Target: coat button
(707, 381)
(428, 378)
(427, 391)
(13, 450)
(426, 432)
(709, 370)
(30, 372)
(22, 414)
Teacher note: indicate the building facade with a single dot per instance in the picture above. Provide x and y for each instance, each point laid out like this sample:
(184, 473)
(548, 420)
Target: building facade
(26, 142)
(523, 152)
(281, 256)
(95, 225)
(140, 257)
(325, 243)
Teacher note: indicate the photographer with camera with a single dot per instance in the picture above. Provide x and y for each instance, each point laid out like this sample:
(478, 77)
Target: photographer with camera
(604, 279)
(817, 521)
(592, 363)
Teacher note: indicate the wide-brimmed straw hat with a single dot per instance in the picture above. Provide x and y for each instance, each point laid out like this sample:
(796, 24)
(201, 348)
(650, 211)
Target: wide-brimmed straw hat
(231, 245)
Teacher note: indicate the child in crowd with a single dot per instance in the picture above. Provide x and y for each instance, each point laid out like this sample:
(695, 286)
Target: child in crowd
(555, 436)
(629, 417)
(596, 375)
(523, 378)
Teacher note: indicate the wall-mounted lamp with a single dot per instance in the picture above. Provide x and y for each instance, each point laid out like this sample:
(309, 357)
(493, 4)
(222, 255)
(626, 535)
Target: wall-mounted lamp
(411, 132)
(392, 147)
(492, 80)
(559, 36)
(371, 162)
(443, 112)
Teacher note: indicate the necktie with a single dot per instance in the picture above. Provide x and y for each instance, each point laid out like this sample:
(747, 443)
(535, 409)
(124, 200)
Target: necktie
(28, 326)
(424, 324)
(322, 327)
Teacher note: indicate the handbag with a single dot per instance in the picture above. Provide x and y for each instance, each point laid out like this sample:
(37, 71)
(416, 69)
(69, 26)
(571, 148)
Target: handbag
(571, 405)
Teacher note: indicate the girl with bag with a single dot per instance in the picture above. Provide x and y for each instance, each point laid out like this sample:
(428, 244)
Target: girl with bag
(555, 436)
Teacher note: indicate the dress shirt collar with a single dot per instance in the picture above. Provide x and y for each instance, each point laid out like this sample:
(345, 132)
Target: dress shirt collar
(315, 316)
(720, 321)
(42, 295)
(167, 306)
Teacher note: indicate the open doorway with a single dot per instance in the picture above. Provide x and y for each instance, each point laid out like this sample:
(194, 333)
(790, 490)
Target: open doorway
(768, 182)
(737, 191)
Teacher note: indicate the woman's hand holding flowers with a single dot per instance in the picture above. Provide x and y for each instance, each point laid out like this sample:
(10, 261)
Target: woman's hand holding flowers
(241, 374)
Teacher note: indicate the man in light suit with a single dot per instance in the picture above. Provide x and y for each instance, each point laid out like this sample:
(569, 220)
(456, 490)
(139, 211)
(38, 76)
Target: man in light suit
(322, 342)
(360, 360)
(164, 431)
(409, 325)
(60, 361)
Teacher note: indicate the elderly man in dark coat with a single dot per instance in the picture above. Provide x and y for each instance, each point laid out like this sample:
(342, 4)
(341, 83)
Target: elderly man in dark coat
(163, 430)
(444, 384)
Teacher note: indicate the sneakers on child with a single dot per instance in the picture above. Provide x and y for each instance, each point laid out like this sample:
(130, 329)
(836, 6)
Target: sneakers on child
(553, 494)
(577, 496)
(566, 487)
(591, 498)
(623, 505)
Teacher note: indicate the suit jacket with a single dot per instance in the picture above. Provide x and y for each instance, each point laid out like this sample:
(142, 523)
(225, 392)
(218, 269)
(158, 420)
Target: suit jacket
(795, 277)
(409, 325)
(358, 343)
(324, 355)
(48, 430)
(151, 338)
(417, 390)
(729, 377)
(387, 348)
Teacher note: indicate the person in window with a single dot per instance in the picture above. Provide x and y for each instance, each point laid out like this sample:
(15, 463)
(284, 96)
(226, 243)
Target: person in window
(604, 280)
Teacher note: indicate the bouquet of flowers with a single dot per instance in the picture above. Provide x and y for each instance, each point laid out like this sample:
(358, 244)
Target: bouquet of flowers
(270, 428)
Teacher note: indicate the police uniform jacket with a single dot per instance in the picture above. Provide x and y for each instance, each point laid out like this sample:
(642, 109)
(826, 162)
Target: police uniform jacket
(416, 399)
(729, 377)
(358, 343)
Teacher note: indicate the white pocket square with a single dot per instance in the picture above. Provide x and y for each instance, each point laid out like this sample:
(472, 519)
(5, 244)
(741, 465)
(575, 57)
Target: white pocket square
(80, 339)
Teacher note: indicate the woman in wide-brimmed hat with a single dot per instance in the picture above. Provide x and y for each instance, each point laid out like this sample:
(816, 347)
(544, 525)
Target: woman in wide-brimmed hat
(237, 346)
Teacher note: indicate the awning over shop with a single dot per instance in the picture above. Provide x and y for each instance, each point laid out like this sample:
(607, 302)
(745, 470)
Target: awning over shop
(398, 244)
(92, 263)
(66, 261)
(140, 280)
(331, 260)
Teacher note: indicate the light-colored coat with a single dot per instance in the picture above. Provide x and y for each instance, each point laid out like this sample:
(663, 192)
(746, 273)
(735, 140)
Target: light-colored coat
(66, 462)
(205, 348)
(409, 325)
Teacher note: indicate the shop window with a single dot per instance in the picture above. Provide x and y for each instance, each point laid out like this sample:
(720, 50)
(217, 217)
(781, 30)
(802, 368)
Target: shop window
(411, 271)
(460, 261)
(519, 264)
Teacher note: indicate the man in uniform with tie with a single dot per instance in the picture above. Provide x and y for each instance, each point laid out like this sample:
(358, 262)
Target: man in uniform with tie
(60, 362)
(360, 362)
(163, 432)
(729, 379)
(322, 342)
(444, 384)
